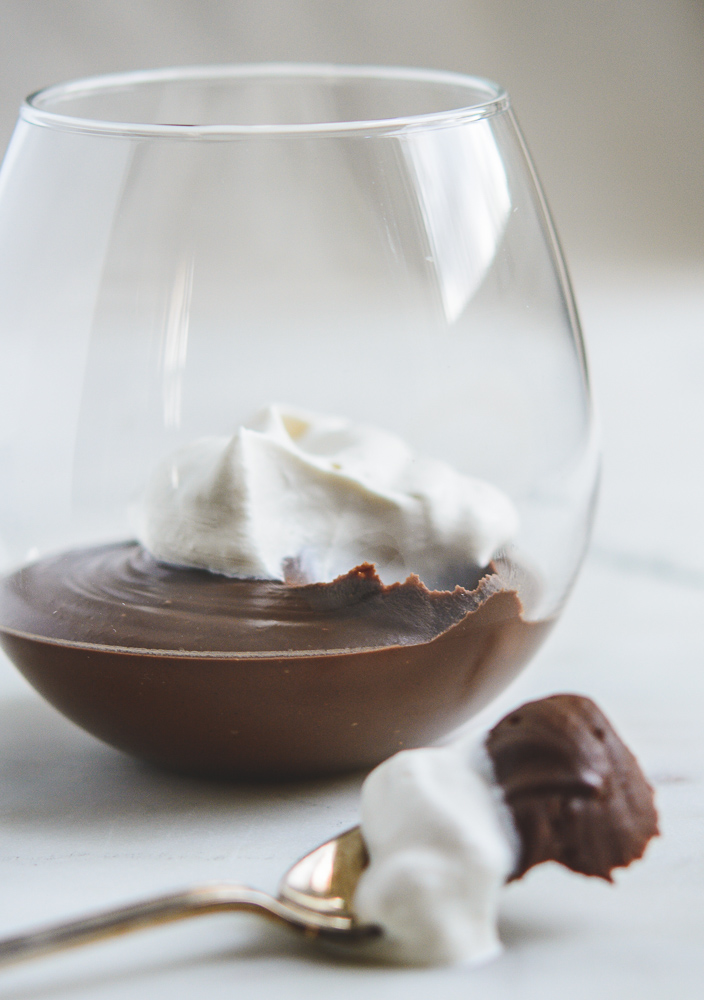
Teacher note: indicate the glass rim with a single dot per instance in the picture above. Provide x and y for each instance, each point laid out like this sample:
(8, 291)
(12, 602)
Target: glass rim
(495, 100)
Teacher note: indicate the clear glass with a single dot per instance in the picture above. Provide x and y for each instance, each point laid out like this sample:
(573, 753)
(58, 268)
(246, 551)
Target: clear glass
(182, 247)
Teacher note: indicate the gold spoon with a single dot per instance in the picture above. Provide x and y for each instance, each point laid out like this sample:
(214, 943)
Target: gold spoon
(315, 897)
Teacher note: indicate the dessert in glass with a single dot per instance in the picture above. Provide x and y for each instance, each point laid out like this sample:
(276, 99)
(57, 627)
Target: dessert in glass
(299, 450)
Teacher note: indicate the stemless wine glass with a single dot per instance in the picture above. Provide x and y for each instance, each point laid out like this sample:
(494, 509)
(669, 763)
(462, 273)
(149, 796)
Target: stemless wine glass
(181, 248)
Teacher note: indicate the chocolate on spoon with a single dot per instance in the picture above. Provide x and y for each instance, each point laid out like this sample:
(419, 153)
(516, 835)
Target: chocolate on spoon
(576, 792)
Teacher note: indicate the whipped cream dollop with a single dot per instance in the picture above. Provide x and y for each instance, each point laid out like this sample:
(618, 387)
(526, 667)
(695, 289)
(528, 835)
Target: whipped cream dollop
(441, 846)
(305, 497)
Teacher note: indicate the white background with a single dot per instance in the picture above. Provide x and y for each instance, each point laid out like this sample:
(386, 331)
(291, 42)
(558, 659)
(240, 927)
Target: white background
(610, 95)
(609, 92)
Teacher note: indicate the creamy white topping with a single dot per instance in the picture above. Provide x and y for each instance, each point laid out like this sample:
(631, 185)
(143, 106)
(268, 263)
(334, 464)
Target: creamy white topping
(303, 496)
(441, 846)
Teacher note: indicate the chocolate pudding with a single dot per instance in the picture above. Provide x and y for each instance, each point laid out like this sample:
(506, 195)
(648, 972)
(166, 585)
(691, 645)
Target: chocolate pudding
(576, 792)
(210, 674)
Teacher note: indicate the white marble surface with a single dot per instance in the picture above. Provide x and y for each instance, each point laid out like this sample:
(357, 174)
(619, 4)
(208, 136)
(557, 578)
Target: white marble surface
(82, 827)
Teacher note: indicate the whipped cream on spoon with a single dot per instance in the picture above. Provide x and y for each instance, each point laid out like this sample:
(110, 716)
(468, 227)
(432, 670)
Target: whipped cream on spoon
(447, 827)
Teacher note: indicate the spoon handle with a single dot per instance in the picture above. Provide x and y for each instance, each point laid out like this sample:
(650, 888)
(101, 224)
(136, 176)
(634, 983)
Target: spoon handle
(198, 901)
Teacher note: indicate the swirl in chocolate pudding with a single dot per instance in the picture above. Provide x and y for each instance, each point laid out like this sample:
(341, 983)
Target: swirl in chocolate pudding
(576, 792)
(260, 678)
(119, 595)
